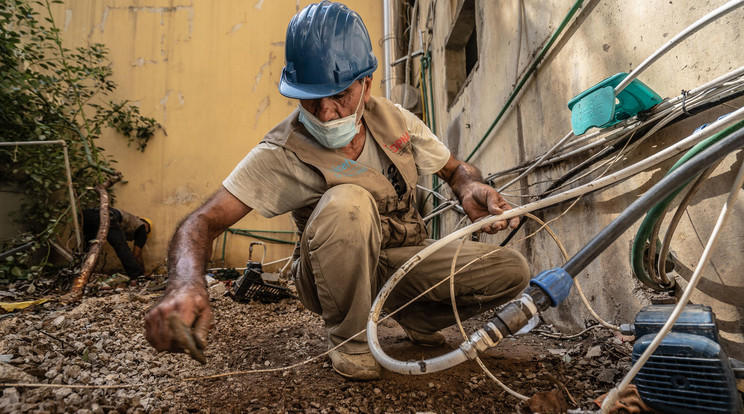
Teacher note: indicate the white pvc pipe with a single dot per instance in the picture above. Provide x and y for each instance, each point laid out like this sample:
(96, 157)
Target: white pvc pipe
(411, 367)
(684, 34)
(388, 37)
(727, 207)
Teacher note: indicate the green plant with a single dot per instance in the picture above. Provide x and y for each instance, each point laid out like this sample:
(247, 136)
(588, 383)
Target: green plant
(49, 92)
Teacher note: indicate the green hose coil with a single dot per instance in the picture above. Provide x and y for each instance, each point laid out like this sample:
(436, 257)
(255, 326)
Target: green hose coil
(646, 228)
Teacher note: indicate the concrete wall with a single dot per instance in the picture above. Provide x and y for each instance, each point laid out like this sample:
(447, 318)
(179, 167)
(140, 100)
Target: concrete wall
(208, 72)
(605, 37)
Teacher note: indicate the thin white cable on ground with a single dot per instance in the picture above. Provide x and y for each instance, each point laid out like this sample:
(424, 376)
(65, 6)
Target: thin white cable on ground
(727, 207)
(684, 34)
(461, 355)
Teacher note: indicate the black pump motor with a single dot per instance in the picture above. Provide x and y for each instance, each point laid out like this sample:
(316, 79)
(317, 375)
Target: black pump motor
(689, 371)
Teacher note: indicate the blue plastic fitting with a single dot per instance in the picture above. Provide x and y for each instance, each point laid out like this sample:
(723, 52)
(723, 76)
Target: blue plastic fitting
(555, 282)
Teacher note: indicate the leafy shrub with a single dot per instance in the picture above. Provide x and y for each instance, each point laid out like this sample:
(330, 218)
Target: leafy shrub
(52, 93)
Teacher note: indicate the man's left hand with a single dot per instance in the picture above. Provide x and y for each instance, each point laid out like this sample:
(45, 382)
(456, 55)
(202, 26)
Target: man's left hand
(479, 200)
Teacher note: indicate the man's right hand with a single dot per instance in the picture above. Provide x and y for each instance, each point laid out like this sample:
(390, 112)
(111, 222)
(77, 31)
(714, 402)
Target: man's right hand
(188, 303)
(180, 321)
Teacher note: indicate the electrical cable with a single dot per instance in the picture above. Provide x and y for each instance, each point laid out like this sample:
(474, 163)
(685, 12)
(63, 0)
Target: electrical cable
(440, 209)
(432, 192)
(684, 34)
(558, 184)
(659, 278)
(538, 162)
(579, 290)
(702, 264)
(619, 130)
(456, 313)
(562, 336)
(647, 130)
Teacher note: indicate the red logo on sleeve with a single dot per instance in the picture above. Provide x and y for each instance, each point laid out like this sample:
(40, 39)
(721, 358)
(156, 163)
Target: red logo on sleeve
(399, 143)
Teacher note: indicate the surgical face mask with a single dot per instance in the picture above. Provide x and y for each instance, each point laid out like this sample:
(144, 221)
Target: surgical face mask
(335, 133)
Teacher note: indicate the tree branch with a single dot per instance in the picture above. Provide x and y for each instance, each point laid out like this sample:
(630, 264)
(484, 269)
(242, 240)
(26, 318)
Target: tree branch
(91, 258)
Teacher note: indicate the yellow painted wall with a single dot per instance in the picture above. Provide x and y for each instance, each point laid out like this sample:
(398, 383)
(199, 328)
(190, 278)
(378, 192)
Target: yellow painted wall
(208, 71)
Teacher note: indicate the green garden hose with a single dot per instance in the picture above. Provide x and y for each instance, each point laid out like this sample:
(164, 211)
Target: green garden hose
(646, 228)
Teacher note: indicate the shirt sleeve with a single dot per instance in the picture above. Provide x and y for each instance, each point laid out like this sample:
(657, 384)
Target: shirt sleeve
(140, 236)
(429, 153)
(273, 181)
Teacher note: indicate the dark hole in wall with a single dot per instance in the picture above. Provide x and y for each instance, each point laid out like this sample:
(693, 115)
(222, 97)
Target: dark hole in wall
(471, 52)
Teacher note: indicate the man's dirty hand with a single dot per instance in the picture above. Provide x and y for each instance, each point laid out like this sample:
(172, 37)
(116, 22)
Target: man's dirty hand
(180, 321)
(482, 200)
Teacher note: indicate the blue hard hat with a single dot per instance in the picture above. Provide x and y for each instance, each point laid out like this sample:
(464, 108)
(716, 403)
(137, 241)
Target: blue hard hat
(327, 49)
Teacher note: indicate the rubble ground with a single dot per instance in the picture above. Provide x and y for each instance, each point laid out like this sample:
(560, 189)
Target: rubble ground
(100, 343)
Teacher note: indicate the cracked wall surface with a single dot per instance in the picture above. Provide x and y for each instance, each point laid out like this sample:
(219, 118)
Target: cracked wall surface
(208, 73)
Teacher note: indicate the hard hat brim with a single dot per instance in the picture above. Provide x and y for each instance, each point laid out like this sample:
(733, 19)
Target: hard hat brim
(309, 91)
(316, 91)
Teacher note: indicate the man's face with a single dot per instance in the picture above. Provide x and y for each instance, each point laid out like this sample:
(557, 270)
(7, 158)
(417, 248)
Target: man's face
(340, 105)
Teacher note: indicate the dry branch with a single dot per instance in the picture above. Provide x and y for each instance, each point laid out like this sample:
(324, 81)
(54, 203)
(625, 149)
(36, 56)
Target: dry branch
(91, 258)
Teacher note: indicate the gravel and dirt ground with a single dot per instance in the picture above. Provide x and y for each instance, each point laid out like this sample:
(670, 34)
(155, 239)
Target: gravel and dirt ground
(99, 344)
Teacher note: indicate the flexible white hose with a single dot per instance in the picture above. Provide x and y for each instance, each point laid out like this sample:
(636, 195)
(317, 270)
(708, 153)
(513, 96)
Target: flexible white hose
(460, 355)
(727, 207)
(684, 34)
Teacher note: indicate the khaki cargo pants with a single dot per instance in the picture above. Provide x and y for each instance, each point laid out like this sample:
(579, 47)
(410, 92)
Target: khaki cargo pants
(342, 268)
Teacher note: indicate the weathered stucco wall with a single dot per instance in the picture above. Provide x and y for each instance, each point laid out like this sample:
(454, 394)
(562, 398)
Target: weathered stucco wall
(208, 72)
(605, 37)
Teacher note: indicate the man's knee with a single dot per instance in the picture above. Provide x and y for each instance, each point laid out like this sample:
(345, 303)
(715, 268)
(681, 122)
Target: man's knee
(513, 271)
(517, 269)
(345, 209)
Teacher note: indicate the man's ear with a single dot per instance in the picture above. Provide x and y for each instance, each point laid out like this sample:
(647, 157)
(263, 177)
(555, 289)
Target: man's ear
(367, 87)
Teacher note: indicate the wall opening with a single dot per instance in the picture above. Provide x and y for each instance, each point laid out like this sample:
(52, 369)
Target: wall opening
(461, 50)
